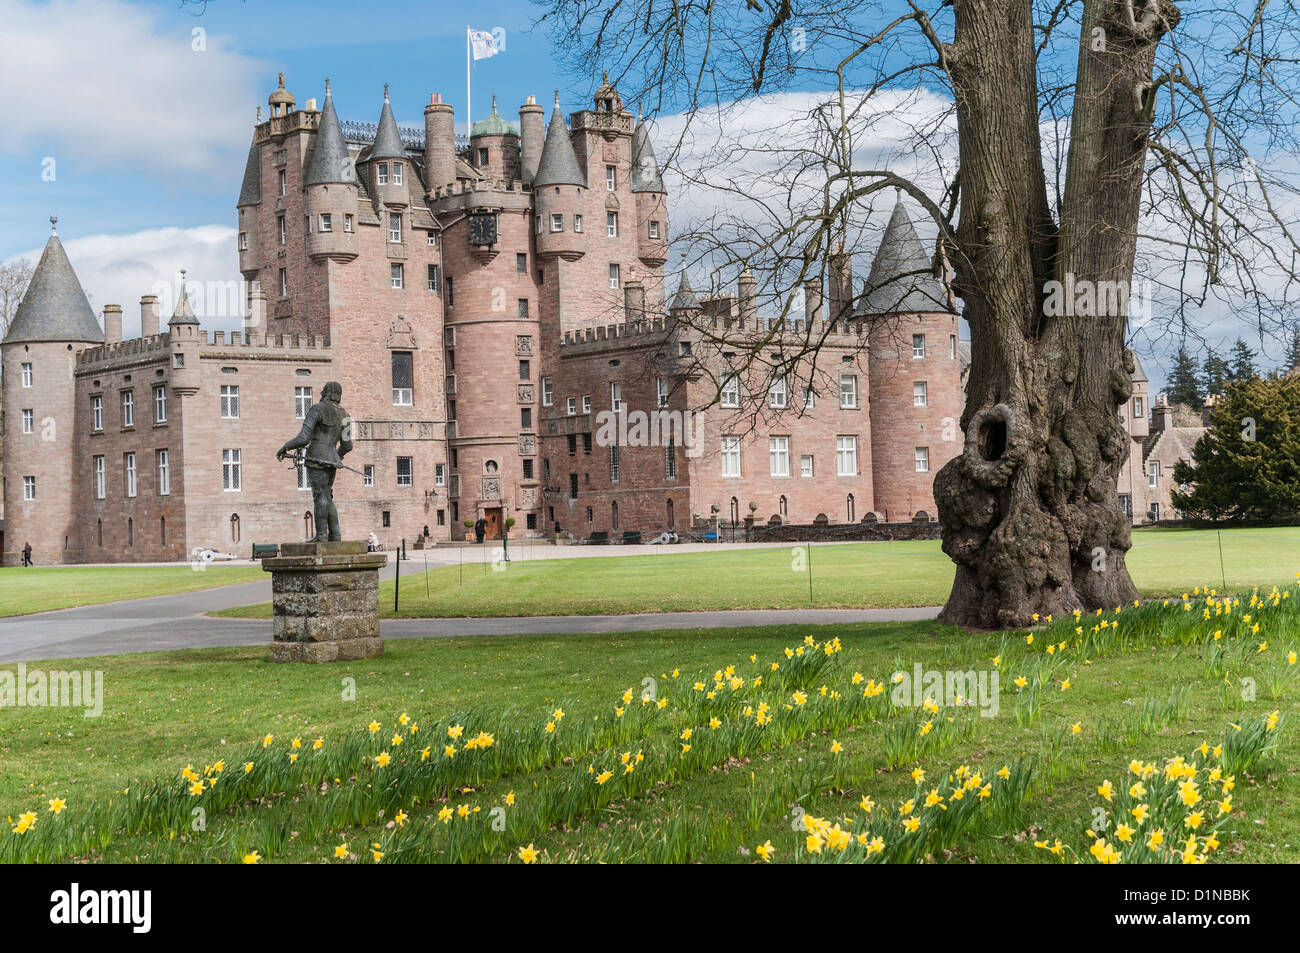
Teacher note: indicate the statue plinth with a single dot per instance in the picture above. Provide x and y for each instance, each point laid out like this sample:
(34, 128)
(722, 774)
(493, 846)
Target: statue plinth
(325, 598)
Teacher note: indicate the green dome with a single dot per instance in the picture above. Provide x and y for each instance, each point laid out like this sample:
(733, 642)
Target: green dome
(493, 125)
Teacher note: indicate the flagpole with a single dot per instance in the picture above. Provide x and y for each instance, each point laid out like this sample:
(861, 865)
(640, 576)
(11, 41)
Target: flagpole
(467, 94)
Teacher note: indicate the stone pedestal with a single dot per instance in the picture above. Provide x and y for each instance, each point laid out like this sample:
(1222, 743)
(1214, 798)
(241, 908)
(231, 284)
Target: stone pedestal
(325, 598)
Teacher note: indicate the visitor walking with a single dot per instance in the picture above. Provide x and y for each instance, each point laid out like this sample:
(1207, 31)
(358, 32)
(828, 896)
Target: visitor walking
(480, 529)
(27, 554)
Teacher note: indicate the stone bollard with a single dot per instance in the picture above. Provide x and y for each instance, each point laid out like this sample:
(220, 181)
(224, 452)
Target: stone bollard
(325, 598)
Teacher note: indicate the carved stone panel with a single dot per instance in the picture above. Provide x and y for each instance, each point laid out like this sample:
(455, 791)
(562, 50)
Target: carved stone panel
(525, 393)
(523, 344)
(527, 444)
(491, 488)
(527, 497)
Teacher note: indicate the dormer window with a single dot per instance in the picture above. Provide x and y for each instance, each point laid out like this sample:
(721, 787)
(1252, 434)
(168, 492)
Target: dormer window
(381, 175)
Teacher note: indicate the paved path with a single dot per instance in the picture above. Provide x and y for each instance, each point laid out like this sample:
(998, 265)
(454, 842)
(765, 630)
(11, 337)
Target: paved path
(178, 622)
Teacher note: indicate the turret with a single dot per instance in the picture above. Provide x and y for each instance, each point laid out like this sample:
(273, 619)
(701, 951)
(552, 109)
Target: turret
(53, 322)
(494, 147)
(390, 172)
(281, 100)
(747, 292)
(439, 145)
(185, 336)
(634, 299)
(841, 284)
(248, 207)
(651, 200)
(684, 303)
(559, 189)
(331, 186)
(532, 136)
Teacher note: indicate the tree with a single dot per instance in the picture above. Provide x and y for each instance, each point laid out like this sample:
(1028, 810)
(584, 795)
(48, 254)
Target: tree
(1247, 465)
(1215, 374)
(1293, 348)
(1242, 362)
(1144, 135)
(14, 278)
(1182, 386)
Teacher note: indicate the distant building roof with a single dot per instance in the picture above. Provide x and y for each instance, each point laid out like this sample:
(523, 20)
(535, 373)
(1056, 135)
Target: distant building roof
(1139, 374)
(54, 307)
(901, 278)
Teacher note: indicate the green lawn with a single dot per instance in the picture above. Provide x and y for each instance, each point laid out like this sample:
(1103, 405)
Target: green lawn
(1155, 685)
(39, 588)
(1162, 562)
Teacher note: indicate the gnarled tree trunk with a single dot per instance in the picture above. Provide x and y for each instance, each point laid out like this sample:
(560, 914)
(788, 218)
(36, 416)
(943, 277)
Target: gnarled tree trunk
(1030, 511)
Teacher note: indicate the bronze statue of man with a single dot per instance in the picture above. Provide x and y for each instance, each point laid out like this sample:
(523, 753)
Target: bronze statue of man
(327, 436)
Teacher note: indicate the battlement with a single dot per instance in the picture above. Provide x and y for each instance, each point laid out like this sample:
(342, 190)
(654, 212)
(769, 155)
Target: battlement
(123, 350)
(251, 340)
(475, 186)
(616, 334)
(278, 126)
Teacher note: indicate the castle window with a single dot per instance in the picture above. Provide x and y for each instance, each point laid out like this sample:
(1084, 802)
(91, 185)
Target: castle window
(243, 241)
(615, 396)
(162, 530)
(404, 471)
(394, 226)
(586, 404)
(231, 481)
(613, 464)
(397, 173)
(386, 518)
(670, 459)
(848, 391)
(922, 459)
(530, 521)
(526, 418)
(482, 158)
(440, 474)
(539, 224)
(918, 346)
(952, 347)
(403, 378)
(613, 515)
(611, 224)
(284, 289)
(809, 398)
(368, 477)
(160, 405)
(326, 222)
(432, 279)
(99, 532)
(525, 370)
(661, 392)
(548, 392)
(229, 401)
(284, 183)
(805, 466)
(557, 223)
(433, 239)
(846, 456)
(303, 482)
(573, 444)
(129, 466)
(731, 391)
(301, 402)
(672, 514)
(528, 469)
(97, 413)
(395, 275)
(283, 226)
(654, 229)
(100, 487)
(381, 176)
(164, 474)
(1138, 410)
(347, 223)
(777, 396)
(27, 374)
(29, 421)
(1153, 475)
(611, 178)
(523, 308)
(614, 281)
(731, 456)
(778, 451)
(521, 264)
(29, 488)
(918, 394)
(451, 297)
(577, 223)
(586, 443)
(571, 406)
(128, 409)
(130, 531)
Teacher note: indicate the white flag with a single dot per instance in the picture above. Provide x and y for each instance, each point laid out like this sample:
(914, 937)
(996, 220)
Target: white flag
(482, 43)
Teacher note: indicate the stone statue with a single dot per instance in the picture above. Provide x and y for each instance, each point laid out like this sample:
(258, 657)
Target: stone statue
(326, 436)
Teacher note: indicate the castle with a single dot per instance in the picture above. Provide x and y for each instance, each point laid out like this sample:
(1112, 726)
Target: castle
(485, 303)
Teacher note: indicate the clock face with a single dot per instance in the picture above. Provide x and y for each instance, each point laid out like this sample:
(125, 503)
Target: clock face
(483, 230)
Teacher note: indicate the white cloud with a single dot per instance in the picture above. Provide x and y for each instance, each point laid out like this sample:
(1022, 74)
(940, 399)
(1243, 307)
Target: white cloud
(102, 82)
(119, 269)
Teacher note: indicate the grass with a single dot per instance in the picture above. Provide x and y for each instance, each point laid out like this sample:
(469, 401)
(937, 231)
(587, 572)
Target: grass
(843, 576)
(40, 588)
(1154, 684)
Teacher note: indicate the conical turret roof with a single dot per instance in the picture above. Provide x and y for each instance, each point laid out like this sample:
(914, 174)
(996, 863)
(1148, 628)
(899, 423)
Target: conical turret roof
(685, 298)
(559, 163)
(54, 308)
(901, 279)
(330, 162)
(184, 313)
(388, 141)
(250, 193)
(645, 167)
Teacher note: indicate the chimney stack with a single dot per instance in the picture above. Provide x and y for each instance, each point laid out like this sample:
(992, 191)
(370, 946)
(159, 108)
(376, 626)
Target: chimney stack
(439, 144)
(255, 320)
(148, 316)
(634, 298)
(112, 323)
(532, 136)
(841, 280)
(812, 300)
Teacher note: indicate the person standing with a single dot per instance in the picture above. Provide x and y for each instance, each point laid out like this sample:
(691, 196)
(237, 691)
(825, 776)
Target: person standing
(480, 529)
(27, 554)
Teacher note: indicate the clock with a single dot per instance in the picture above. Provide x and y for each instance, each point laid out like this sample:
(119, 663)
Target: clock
(483, 229)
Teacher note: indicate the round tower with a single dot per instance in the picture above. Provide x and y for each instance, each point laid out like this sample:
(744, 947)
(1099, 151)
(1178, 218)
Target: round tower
(494, 147)
(651, 201)
(559, 195)
(390, 172)
(914, 388)
(532, 136)
(331, 190)
(53, 323)
(439, 145)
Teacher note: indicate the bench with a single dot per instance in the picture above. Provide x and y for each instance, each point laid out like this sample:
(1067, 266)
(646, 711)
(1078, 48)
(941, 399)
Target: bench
(630, 536)
(265, 549)
(597, 538)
